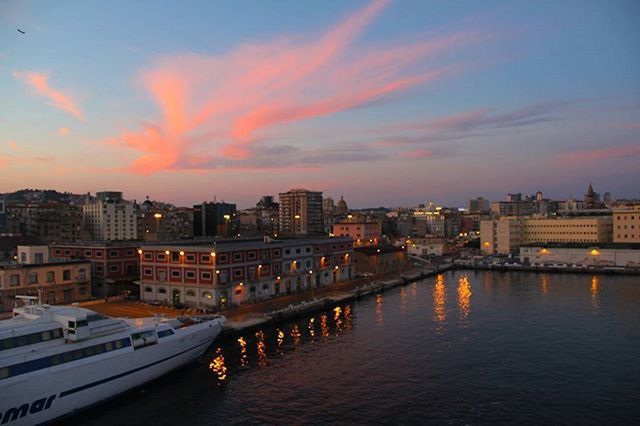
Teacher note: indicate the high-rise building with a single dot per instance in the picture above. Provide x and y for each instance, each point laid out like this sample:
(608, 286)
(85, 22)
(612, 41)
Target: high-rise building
(301, 212)
(213, 219)
(110, 217)
(479, 205)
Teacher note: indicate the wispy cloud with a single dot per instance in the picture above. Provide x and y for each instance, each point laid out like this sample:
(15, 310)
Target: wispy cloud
(39, 83)
(217, 109)
(63, 131)
(599, 154)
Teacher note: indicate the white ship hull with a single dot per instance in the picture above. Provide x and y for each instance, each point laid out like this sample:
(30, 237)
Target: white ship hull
(61, 390)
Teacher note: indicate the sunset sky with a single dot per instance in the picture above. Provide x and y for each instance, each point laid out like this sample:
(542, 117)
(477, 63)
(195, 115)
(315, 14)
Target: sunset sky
(385, 102)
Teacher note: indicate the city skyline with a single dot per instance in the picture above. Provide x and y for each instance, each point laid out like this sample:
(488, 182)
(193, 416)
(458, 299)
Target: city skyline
(387, 103)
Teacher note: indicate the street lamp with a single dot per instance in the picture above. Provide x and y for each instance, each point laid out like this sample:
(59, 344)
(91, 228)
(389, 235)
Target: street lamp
(158, 216)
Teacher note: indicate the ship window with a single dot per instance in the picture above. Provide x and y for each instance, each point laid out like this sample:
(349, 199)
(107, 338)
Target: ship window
(165, 333)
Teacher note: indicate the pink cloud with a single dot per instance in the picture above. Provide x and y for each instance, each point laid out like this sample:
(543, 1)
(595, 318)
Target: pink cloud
(216, 109)
(39, 83)
(416, 154)
(62, 131)
(600, 154)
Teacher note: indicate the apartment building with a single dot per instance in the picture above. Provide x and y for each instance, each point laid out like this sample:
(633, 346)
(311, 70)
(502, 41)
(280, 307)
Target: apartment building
(110, 218)
(363, 232)
(300, 213)
(54, 282)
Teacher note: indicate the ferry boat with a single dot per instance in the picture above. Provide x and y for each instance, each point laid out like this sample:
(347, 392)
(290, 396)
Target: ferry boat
(57, 360)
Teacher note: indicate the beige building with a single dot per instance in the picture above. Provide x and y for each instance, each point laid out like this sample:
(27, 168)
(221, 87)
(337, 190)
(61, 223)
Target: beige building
(626, 224)
(110, 217)
(505, 235)
(59, 282)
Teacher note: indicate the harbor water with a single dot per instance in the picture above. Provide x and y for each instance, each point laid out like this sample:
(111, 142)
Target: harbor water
(461, 348)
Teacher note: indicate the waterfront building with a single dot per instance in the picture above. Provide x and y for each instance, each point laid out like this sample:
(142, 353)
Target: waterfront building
(114, 264)
(505, 235)
(223, 272)
(364, 232)
(626, 224)
(431, 222)
(379, 259)
(300, 212)
(214, 219)
(55, 282)
(109, 217)
(425, 246)
(583, 254)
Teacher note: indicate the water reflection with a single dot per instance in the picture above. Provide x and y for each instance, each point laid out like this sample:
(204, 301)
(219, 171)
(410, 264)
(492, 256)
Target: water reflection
(218, 367)
(312, 328)
(403, 300)
(544, 284)
(336, 317)
(464, 297)
(295, 333)
(347, 317)
(243, 352)
(280, 335)
(261, 348)
(324, 328)
(379, 309)
(439, 299)
(595, 293)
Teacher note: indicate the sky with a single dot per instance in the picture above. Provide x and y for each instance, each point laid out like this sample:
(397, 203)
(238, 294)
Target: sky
(384, 102)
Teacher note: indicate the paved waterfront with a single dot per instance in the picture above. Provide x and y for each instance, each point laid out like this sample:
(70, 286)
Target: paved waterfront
(465, 348)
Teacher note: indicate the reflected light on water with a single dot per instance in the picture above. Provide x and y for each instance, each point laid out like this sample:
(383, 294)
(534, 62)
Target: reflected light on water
(595, 293)
(295, 333)
(261, 348)
(347, 317)
(218, 367)
(544, 284)
(336, 317)
(312, 328)
(464, 297)
(280, 340)
(244, 361)
(323, 325)
(379, 309)
(439, 299)
(403, 300)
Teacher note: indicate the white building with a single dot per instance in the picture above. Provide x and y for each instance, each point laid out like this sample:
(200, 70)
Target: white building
(110, 217)
(620, 255)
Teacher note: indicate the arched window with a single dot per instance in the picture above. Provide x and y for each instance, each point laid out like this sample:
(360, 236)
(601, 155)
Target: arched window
(162, 290)
(207, 295)
(191, 293)
(148, 289)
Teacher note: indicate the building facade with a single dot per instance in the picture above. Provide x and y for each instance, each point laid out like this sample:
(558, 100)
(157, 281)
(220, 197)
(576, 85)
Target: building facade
(229, 272)
(114, 265)
(300, 213)
(626, 224)
(214, 219)
(379, 260)
(54, 282)
(110, 218)
(505, 235)
(363, 232)
(603, 255)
